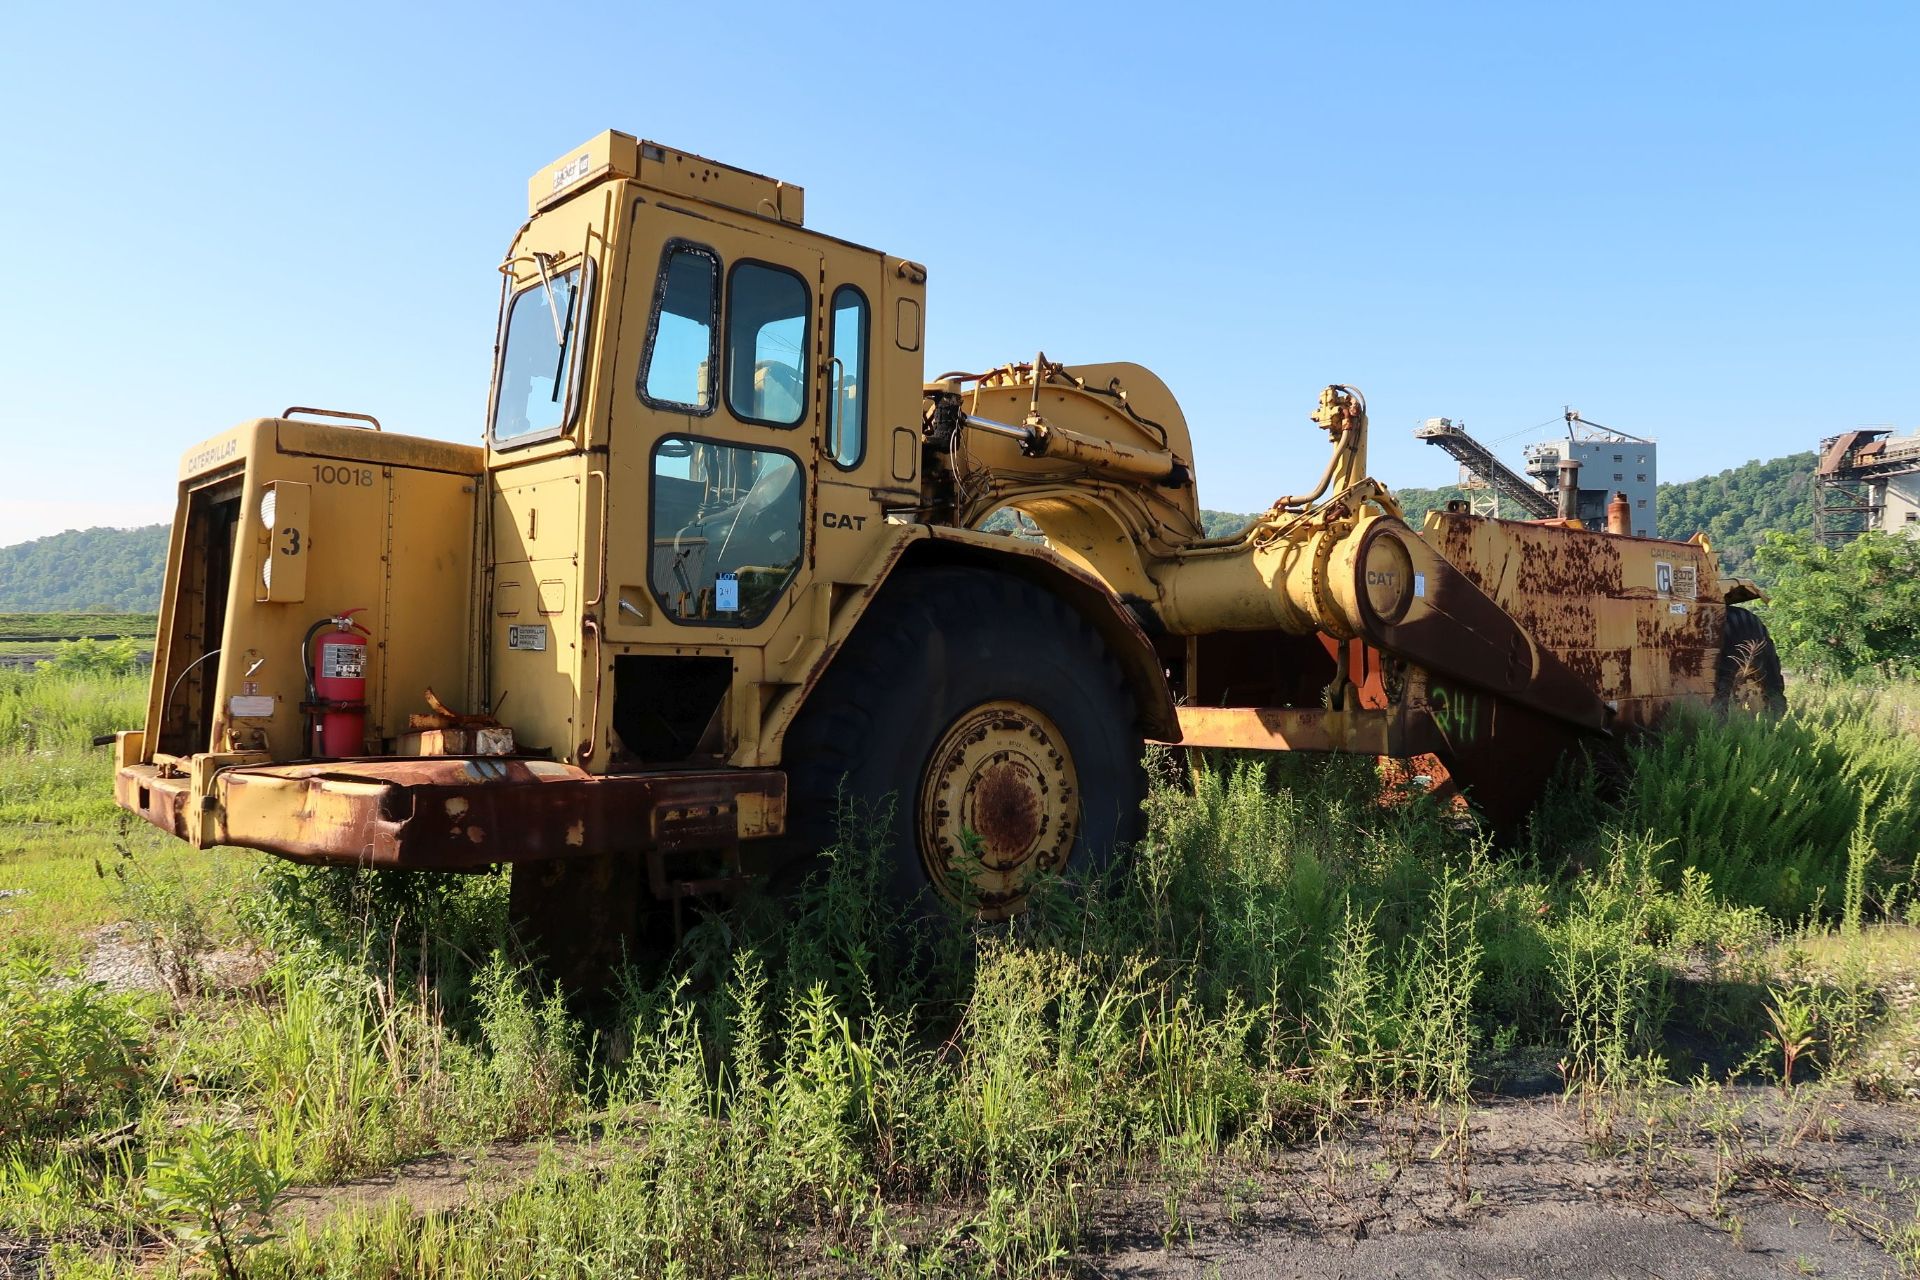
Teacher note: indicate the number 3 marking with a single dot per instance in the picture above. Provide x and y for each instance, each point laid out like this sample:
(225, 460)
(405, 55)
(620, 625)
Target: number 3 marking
(292, 535)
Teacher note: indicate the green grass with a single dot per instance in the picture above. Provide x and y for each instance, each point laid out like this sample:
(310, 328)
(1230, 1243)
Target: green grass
(1767, 809)
(55, 715)
(64, 886)
(810, 1082)
(60, 832)
(42, 627)
(45, 635)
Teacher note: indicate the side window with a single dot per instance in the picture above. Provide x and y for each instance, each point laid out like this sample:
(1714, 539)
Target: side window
(847, 375)
(727, 530)
(766, 344)
(678, 370)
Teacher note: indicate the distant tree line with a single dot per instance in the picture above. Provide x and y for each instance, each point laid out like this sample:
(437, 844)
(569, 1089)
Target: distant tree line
(85, 570)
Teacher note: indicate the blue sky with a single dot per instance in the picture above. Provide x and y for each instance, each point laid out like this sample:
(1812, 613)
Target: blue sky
(1696, 222)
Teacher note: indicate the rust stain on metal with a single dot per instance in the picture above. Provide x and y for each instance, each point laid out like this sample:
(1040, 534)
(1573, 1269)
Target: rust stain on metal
(1006, 811)
(1604, 606)
(485, 811)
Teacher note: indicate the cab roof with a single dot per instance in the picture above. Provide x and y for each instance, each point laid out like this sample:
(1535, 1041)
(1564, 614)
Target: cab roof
(613, 154)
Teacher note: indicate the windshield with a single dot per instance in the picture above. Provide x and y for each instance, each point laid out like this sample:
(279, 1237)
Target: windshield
(537, 368)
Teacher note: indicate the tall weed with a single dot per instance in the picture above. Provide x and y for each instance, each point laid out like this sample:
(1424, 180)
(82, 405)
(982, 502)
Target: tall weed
(72, 1056)
(1769, 807)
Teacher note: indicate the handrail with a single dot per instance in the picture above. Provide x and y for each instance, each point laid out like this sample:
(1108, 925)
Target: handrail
(330, 413)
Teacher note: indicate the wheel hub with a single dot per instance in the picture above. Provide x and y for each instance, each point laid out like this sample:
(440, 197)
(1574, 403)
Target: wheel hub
(1000, 801)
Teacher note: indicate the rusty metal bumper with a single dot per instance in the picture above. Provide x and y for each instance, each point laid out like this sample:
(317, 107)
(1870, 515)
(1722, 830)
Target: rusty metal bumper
(1363, 731)
(453, 813)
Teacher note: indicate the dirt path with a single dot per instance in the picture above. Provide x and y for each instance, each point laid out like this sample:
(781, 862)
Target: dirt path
(437, 1183)
(1823, 1189)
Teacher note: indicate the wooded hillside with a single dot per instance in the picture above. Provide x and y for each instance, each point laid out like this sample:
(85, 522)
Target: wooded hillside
(111, 570)
(1734, 507)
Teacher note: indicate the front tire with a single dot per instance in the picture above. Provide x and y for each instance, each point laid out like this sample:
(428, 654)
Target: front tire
(990, 721)
(1748, 673)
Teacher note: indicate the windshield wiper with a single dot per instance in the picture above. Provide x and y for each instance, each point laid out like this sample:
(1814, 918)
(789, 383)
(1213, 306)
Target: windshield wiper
(561, 333)
(546, 283)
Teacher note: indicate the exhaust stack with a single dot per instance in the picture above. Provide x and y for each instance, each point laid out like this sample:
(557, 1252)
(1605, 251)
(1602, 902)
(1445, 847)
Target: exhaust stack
(1569, 488)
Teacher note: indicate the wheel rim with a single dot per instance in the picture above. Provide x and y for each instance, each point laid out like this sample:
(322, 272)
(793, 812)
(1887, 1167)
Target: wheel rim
(1000, 803)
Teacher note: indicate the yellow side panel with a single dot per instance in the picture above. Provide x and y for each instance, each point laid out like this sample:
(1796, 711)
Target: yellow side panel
(534, 659)
(429, 589)
(385, 525)
(261, 682)
(1637, 618)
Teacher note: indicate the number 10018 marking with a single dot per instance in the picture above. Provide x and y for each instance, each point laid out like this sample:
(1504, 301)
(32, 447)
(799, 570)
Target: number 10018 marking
(327, 473)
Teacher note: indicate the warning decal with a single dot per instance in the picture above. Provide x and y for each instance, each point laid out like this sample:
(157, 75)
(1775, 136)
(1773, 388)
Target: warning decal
(343, 661)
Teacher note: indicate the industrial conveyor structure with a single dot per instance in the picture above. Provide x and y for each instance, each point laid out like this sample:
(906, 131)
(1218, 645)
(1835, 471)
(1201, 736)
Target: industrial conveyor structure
(1480, 469)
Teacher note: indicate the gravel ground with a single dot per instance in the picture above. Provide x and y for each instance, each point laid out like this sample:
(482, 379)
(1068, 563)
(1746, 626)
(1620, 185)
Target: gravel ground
(119, 959)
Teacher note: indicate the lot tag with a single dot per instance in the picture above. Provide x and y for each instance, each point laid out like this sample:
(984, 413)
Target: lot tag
(726, 593)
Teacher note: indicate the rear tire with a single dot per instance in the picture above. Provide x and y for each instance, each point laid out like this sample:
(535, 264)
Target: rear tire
(989, 718)
(1748, 673)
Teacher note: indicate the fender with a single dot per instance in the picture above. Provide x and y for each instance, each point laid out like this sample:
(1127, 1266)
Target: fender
(916, 545)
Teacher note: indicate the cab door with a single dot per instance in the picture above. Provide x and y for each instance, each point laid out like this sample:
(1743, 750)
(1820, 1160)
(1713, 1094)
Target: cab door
(711, 464)
(714, 430)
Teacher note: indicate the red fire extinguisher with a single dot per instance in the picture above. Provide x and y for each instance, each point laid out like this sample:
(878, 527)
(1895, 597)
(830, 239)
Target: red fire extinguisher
(337, 685)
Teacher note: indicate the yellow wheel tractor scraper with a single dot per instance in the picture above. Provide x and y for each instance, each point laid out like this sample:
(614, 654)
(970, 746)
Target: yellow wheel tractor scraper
(720, 562)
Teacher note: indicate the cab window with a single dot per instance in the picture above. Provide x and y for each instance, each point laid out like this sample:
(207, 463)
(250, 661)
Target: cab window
(540, 343)
(678, 370)
(727, 530)
(766, 344)
(847, 370)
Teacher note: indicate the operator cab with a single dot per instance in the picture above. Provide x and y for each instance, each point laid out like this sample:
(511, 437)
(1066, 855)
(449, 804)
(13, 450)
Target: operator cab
(681, 446)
